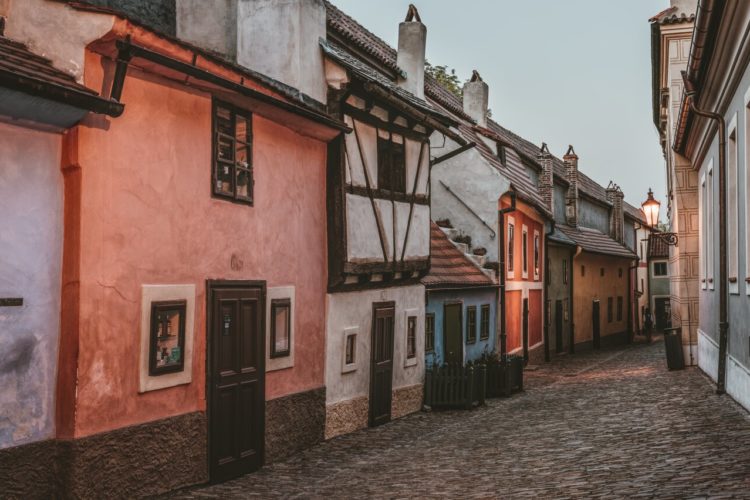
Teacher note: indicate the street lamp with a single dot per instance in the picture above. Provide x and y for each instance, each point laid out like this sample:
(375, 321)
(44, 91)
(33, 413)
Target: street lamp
(651, 209)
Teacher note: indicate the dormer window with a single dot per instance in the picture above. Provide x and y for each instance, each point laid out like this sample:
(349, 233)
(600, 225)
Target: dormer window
(501, 154)
(391, 163)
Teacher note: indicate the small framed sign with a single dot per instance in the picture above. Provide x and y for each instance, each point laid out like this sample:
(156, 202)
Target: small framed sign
(167, 339)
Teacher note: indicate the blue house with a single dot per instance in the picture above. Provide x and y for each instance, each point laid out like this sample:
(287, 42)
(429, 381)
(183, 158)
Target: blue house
(462, 298)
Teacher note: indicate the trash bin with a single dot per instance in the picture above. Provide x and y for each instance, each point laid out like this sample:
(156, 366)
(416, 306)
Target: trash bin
(673, 346)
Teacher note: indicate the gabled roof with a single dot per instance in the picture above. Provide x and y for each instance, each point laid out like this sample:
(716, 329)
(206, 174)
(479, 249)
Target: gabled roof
(449, 267)
(657, 247)
(593, 241)
(24, 71)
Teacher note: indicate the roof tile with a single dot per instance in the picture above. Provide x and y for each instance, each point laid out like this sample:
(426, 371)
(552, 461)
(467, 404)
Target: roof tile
(449, 266)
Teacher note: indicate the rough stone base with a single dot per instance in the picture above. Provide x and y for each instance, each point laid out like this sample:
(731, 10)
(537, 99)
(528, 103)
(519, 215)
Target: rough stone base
(294, 423)
(347, 416)
(536, 355)
(406, 400)
(131, 462)
(136, 461)
(29, 471)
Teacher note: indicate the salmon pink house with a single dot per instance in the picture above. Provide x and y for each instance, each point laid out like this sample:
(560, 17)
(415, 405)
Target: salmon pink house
(194, 268)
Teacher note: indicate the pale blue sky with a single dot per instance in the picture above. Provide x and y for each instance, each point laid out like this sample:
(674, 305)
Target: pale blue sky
(560, 71)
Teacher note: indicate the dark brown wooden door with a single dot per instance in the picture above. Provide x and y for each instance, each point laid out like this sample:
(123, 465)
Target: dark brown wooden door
(236, 383)
(558, 326)
(526, 329)
(381, 375)
(453, 337)
(596, 324)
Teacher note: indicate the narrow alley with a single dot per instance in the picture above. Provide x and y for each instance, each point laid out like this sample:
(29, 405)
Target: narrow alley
(609, 424)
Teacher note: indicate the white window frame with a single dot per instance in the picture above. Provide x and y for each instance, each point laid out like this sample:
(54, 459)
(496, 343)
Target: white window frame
(702, 260)
(733, 222)
(510, 266)
(524, 251)
(710, 227)
(653, 269)
(417, 328)
(745, 170)
(537, 255)
(350, 332)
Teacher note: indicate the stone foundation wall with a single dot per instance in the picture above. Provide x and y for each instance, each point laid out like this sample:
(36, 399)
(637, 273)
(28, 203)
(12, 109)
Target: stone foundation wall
(29, 471)
(536, 355)
(136, 461)
(406, 400)
(347, 416)
(132, 462)
(294, 422)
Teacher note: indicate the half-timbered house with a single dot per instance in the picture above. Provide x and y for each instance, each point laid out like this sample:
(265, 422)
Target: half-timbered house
(378, 223)
(194, 267)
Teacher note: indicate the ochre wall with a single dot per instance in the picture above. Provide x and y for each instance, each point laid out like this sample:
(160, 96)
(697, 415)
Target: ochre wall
(593, 286)
(148, 217)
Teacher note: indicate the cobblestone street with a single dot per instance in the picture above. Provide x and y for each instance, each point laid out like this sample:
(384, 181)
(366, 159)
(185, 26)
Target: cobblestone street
(609, 424)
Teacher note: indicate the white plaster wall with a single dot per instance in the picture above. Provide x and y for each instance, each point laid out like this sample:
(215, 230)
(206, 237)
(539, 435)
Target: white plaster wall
(31, 221)
(480, 186)
(33, 21)
(279, 38)
(355, 171)
(353, 310)
(211, 25)
(708, 355)
(412, 151)
(418, 244)
(738, 382)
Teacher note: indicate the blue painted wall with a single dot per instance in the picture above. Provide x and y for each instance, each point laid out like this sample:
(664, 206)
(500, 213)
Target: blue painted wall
(435, 302)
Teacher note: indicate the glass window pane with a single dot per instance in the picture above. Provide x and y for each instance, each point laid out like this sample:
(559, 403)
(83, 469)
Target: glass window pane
(281, 319)
(244, 183)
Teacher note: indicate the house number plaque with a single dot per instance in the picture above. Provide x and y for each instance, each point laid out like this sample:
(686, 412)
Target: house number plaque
(11, 302)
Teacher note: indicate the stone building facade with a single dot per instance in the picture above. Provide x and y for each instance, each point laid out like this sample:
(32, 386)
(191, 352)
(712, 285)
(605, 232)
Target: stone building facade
(671, 32)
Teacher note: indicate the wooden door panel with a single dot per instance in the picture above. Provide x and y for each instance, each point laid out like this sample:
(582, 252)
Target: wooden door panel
(453, 333)
(381, 373)
(236, 388)
(558, 326)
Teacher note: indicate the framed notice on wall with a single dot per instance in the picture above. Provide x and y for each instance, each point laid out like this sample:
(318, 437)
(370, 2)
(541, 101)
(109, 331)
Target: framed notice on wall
(167, 337)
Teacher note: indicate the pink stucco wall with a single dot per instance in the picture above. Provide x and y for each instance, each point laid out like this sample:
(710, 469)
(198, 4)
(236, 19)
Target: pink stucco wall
(147, 217)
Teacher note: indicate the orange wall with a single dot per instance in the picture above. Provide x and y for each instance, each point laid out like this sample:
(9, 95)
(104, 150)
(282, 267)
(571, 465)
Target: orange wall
(519, 287)
(147, 217)
(593, 286)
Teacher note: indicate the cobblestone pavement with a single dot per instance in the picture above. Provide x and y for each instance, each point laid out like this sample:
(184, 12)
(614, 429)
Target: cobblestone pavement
(608, 424)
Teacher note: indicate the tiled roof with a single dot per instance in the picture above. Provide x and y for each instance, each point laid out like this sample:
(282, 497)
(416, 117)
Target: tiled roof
(17, 59)
(367, 73)
(657, 247)
(591, 240)
(673, 15)
(449, 266)
(362, 38)
(558, 236)
(635, 213)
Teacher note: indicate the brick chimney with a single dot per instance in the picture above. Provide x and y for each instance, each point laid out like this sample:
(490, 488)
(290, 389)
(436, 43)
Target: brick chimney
(412, 40)
(278, 38)
(571, 198)
(475, 100)
(617, 215)
(546, 180)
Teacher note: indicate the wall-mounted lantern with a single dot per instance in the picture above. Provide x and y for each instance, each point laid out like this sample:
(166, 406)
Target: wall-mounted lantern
(651, 209)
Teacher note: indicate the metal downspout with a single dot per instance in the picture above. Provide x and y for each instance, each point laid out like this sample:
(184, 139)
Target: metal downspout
(545, 276)
(723, 288)
(501, 265)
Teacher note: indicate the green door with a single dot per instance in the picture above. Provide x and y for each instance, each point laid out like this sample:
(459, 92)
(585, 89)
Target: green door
(453, 333)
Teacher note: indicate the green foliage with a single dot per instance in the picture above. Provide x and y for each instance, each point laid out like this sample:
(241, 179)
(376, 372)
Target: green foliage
(445, 77)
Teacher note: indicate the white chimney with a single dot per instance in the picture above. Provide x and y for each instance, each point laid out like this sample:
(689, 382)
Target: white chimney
(412, 39)
(476, 95)
(278, 38)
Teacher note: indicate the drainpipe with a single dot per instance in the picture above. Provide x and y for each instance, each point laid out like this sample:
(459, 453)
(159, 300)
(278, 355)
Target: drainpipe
(631, 296)
(723, 289)
(501, 264)
(571, 314)
(546, 261)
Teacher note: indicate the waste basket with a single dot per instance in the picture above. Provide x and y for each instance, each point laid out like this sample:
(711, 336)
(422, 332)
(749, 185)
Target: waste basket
(673, 346)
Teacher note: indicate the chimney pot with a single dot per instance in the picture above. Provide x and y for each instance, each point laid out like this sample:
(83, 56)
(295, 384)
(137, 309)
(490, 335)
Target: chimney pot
(475, 99)
(412, 40)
